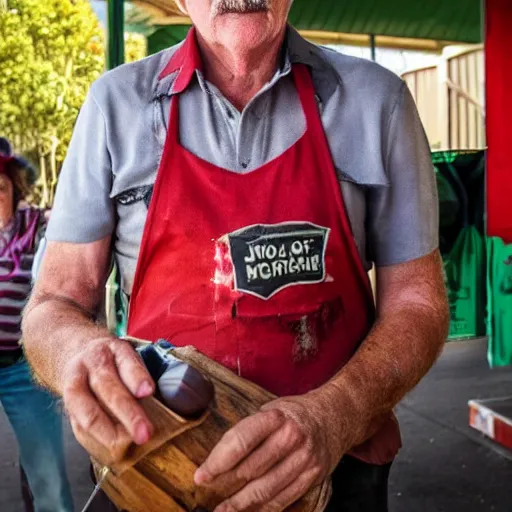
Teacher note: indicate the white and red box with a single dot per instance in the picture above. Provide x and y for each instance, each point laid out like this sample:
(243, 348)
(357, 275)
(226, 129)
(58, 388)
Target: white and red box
(493, 418)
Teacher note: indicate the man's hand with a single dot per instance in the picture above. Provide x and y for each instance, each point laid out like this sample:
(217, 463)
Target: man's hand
(278, 454)
(101, 386)
(99, 376)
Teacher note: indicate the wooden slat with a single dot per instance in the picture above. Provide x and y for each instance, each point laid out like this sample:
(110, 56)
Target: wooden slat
(161, 470)
(443, 106)
(167, 425)
(135, 493)
(454, 106)
(432, 119)
(463, 104)
(473, 91)
(482, 139)
(450, 99)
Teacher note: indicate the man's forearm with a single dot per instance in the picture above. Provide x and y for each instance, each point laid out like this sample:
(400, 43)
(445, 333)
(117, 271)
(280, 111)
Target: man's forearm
(54, 331)
(394, 357)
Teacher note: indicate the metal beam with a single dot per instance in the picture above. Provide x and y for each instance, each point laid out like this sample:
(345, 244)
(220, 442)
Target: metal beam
(373, 47)
(115, 50)
(400, 43)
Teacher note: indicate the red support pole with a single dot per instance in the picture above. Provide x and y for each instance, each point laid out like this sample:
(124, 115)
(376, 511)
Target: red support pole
(499, 118)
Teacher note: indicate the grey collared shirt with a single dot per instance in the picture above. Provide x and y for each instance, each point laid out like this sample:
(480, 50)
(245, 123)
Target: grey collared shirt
(377, 142)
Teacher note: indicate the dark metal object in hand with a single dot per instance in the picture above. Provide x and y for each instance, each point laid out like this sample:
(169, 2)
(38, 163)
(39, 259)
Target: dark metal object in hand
(180, 387)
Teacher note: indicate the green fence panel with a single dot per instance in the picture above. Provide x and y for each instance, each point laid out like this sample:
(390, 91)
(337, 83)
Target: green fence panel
(465, 280)
(499, 318)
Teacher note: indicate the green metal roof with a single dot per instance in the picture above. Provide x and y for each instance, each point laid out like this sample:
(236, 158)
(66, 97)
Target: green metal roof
(442, 20)
(447, 20)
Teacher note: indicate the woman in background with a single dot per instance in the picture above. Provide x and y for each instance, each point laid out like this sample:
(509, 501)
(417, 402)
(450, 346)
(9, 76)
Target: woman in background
(32, 412)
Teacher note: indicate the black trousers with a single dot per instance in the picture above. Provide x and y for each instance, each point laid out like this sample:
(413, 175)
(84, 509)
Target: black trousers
(357, 487)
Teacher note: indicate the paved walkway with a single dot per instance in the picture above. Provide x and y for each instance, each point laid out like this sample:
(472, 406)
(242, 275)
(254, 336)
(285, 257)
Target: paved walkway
(443, 467)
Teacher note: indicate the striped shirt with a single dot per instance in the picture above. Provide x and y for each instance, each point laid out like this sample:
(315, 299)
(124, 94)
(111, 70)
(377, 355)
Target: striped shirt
(18, 242)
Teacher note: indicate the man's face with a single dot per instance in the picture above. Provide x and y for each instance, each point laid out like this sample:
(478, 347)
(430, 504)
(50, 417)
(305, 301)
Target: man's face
(242, 24)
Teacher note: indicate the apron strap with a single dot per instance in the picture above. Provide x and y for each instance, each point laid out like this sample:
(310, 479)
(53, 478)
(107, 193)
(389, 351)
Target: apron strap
(307, 96)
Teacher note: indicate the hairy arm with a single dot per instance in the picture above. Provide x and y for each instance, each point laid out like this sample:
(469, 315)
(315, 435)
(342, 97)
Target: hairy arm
(410, 331)
(60, 316)
(99, 376)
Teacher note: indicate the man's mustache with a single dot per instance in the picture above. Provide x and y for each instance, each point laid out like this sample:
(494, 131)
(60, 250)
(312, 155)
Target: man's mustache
(240, 6)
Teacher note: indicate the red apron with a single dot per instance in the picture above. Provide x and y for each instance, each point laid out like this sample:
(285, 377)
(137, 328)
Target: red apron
(258, 271)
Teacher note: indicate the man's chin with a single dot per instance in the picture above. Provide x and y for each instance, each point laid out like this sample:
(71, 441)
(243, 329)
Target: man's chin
(245, 28)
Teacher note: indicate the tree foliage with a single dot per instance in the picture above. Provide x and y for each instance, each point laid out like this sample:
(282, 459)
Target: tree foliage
(51, 51)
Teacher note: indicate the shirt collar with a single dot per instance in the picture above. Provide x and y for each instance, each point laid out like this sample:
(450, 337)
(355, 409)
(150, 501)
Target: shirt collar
(186, 61)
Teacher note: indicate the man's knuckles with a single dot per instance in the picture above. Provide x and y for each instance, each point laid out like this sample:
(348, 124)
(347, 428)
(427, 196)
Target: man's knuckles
(125, 355)
(291, 435)
(239, 441)
(273, 417)
(89, 418)
(317, 471)
(98, 355)
(258, 496)
(227, 507)
(304, 458)
(106, 448)
(122, 403)
(253, 499)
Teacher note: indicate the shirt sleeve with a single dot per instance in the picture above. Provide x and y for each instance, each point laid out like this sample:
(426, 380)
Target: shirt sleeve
(38, 258)
(403, 217)
(83, 210)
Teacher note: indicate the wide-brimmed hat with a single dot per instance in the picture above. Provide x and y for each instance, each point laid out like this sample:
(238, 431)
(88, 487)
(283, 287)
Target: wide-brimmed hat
(8, 157)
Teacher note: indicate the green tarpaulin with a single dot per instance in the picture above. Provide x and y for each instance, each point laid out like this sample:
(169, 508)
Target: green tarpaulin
(465, 280)
(499, 286)
(460, 177)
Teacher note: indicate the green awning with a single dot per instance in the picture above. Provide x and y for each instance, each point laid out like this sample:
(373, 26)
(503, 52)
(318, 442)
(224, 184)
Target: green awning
(165, 37)
(442, 20)
(446, 20)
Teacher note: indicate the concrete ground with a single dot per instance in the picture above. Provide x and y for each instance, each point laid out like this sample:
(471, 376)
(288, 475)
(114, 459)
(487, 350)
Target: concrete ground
(443, 467)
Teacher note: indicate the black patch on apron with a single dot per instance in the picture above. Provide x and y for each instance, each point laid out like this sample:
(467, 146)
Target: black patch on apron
(269, 257)
(134, 195)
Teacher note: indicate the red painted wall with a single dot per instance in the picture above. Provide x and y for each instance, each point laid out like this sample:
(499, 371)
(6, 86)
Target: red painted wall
(499, 118)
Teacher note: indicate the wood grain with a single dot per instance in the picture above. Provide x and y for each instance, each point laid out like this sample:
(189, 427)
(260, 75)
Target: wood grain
(169, 462)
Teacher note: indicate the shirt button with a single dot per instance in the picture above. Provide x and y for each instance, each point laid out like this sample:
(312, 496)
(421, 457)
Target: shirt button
(244, 165)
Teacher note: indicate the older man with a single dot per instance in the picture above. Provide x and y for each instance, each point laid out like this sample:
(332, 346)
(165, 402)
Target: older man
(244, 182)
